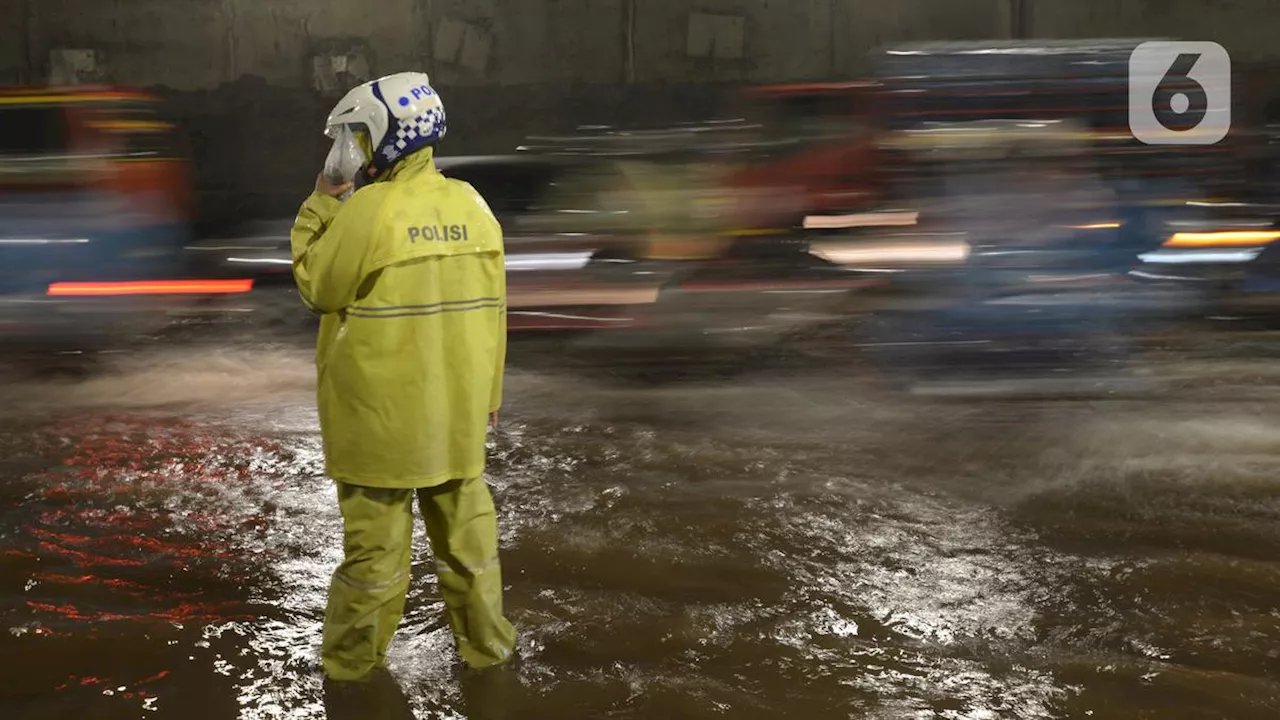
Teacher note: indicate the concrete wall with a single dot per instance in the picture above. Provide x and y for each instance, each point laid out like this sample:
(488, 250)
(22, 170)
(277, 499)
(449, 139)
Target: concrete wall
(200, 44)
(13, 42)
(860, 27)
(1247, 28)
(195, 44)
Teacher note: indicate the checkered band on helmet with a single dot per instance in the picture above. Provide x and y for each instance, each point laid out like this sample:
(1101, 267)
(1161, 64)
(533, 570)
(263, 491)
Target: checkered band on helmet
(411, 135)
(424, 129)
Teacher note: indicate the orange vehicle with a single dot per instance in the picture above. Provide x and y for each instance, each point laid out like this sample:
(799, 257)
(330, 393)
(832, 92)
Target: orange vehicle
(96, 207)
(819, 153)
(112, 139)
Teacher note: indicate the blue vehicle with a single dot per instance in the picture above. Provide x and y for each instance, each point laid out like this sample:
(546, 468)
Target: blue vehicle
(1023, 149)
(1043, 299)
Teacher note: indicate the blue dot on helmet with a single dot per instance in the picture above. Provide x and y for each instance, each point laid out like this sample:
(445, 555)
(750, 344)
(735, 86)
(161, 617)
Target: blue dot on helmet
(404, 102)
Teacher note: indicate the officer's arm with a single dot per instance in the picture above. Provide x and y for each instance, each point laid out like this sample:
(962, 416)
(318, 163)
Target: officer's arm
(329, 241)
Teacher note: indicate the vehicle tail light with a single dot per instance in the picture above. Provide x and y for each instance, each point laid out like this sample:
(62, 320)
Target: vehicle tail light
(151, 287)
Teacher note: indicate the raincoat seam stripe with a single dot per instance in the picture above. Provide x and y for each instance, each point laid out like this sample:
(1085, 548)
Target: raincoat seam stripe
(348, 580)
(389, 308)
(477, 306)
(424, 313)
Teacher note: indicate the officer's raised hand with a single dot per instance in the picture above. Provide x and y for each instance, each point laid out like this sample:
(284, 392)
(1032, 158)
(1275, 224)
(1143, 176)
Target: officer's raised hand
(324, 186)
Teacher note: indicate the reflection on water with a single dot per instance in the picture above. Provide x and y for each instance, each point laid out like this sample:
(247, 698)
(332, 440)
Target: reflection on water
(792, 547)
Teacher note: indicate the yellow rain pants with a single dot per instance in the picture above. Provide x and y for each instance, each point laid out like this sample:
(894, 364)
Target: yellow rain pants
(367, 597)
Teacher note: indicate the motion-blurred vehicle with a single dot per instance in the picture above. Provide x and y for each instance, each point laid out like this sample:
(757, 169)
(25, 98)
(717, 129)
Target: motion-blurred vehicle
(1229, 248)
(95, 211)
(1042, 299)
(669, 212)
(817, 153)
(1083, 81)
(1037, 211)
(1190, 216)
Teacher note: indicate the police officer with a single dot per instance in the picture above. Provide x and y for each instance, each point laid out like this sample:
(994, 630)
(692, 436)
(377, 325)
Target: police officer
(407, 271)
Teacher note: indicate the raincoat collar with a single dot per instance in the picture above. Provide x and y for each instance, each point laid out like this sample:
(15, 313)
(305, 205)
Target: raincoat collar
(423, 161)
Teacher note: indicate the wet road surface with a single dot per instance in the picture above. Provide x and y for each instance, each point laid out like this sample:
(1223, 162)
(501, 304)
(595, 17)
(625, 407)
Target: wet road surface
(780, 545)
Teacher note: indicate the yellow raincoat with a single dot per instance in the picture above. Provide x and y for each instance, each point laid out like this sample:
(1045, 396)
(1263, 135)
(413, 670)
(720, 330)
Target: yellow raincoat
(409, 277)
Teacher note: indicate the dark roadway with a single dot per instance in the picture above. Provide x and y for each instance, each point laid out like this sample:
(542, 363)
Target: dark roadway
(790, 543)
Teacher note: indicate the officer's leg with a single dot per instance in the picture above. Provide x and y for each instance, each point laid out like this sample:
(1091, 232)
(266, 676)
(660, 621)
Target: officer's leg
(368, 591)
(463, 528)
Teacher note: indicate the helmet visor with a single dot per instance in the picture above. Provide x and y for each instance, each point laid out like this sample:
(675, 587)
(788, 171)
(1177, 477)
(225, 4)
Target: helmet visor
(349, 153)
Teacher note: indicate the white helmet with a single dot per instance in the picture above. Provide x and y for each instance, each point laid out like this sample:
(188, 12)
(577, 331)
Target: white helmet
(381, 122)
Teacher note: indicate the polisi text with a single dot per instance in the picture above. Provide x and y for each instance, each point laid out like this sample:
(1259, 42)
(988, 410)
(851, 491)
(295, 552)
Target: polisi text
(439, 233)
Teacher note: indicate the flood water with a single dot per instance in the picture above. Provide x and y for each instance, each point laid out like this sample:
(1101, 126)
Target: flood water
(777, 545)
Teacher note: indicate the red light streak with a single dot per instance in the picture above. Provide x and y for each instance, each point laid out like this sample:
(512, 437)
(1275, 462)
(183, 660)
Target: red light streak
(150, 287)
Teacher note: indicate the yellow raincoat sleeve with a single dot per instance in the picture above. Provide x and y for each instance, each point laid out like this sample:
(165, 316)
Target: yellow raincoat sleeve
(329, 241)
